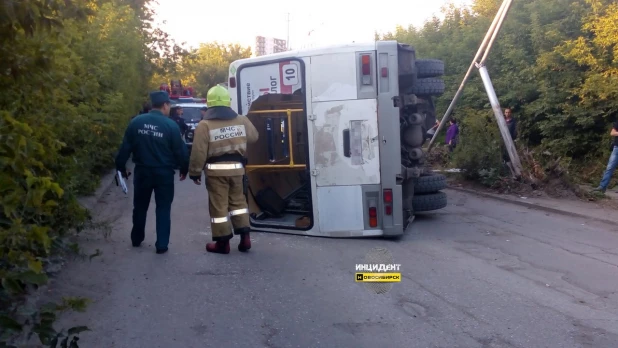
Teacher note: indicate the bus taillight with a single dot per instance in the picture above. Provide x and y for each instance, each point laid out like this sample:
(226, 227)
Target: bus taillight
(373, 217)
(232, 82)
(384, 72)
(366, 59)
(388, 201)
(366, 68)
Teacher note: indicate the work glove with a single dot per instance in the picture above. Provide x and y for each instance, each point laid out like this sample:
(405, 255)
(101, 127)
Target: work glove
(197, 179)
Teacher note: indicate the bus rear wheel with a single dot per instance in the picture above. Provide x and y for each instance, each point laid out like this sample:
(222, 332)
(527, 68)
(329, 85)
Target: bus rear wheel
(429, 202)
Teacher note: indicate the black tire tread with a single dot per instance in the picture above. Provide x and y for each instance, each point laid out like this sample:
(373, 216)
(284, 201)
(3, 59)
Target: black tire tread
(429, 202)
(429, 68)
(428, 87)
(429, 183)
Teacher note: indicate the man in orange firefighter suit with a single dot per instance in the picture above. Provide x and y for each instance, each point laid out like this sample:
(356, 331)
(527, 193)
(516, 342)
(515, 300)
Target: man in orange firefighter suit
(219, 147)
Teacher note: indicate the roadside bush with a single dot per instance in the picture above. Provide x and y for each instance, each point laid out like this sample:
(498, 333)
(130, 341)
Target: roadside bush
(439, 157)
(479, 152)
(73, 75)
(36, 213)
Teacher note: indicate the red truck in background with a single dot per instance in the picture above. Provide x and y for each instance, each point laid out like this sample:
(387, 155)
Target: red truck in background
(179, 93)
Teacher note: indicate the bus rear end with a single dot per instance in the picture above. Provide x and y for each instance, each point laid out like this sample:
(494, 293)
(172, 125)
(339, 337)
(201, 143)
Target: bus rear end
(340, 146)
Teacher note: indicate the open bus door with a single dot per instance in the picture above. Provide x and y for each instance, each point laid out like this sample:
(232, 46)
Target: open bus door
(280, 189)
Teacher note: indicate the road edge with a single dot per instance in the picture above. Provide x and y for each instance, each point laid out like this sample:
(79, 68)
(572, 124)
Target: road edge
(107, 180)
(530, 205)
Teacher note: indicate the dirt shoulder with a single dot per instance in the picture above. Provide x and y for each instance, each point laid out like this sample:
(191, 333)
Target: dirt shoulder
(556, 198)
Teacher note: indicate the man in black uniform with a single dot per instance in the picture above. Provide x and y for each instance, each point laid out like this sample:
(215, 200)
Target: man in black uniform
(157, 148)
(176, 116)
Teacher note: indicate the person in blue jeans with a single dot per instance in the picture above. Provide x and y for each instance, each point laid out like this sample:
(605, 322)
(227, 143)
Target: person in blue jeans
(613, 162)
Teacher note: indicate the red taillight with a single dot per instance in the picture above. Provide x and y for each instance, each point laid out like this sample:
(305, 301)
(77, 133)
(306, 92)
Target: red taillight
(388, 196)
(384, 72)
(232, 82)
(373, 217)
(366, 59)
(388, 201)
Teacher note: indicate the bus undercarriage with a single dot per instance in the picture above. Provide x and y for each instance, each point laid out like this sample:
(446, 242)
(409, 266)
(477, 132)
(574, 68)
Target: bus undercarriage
(419, 83)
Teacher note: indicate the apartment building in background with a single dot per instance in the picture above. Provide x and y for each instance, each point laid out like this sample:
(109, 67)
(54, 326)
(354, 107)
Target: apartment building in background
(269, 45)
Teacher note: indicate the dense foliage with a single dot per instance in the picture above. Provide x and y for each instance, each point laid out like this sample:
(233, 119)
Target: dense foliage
(555, 62)
(73, 72)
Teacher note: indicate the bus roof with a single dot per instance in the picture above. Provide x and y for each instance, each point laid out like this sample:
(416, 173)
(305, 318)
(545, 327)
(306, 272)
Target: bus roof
(308, 52)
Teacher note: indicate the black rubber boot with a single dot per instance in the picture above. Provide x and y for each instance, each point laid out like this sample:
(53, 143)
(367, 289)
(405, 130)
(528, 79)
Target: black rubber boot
(245, 242)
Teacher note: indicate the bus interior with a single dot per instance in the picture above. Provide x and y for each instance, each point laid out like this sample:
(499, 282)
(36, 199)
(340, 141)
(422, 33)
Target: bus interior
(279, 188)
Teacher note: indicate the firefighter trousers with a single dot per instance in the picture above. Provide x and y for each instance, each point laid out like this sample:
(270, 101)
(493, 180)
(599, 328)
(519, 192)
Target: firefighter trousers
(226, 201)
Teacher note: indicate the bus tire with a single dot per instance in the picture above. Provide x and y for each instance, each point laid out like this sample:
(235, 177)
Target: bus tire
(408, 195)
(429, 183)
(429, 68)
(429, 202)
(428, 87)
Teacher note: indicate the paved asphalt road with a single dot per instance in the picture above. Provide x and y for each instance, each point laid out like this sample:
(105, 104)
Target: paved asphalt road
(478, 273)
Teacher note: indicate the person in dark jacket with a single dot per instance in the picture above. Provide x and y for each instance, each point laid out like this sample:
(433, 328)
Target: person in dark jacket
(157, 148)
(145, 109)
(176, 116)
(511, 124)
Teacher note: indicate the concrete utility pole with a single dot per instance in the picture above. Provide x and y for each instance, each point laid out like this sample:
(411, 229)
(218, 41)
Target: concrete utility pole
(484, 49)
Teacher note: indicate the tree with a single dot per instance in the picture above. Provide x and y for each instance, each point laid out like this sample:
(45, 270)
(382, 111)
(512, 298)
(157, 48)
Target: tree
(553, 62)
(208, 65)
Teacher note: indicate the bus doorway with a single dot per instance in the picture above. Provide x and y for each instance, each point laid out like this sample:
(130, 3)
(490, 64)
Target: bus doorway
(271, 93)
(279, 183)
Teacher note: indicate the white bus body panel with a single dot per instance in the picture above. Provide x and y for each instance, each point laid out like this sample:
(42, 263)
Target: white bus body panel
(334, 168)
(340, 208)
(336, 78)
